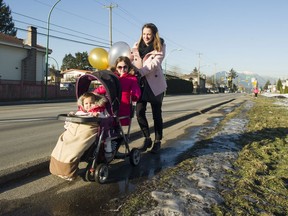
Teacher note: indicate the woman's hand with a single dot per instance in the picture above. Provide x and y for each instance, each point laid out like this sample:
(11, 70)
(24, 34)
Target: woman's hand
(136, 71)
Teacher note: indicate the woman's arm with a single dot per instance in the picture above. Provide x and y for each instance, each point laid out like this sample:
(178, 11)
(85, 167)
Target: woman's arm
(135, 89)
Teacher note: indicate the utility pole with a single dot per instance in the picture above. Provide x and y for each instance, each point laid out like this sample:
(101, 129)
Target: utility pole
(199, 56)
(110, 7)
(215, 77)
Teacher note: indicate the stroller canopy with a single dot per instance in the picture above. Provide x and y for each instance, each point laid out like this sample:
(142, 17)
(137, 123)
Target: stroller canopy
(106, 78)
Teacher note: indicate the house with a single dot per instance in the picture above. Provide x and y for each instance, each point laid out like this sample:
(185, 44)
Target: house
(71, 75)
(193, 77)
(22, 61)
(22, 71)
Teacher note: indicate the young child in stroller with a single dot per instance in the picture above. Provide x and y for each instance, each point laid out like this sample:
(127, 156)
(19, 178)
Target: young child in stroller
(90, 104)
(77, 138)
(114, 88)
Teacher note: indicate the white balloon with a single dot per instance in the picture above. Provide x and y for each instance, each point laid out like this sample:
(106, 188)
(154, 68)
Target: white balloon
(118, 49)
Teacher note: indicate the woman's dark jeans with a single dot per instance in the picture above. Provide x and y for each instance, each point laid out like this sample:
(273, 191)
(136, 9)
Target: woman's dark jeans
(157, 117)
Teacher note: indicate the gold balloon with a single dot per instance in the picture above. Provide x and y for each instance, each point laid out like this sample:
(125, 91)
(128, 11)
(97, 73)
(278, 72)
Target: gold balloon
(98, 58)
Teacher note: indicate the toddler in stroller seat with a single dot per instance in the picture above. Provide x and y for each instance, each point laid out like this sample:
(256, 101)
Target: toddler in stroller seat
(77, 137)
(104, 133)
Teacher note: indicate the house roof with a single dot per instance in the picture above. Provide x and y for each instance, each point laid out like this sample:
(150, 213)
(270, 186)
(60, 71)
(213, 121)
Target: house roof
(14, 41)
(189, 76)
(76, 70)
(10, 39)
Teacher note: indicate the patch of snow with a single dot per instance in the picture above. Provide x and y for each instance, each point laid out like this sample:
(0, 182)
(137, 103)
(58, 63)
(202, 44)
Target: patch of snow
(268, 94)
(283, 98)
(248, 73)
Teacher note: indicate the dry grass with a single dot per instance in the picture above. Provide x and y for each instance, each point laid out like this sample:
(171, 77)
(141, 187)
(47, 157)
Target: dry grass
(259, 184)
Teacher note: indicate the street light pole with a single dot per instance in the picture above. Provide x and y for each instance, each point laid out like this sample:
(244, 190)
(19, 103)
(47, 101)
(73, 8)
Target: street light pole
(47, 49)
(55, 62)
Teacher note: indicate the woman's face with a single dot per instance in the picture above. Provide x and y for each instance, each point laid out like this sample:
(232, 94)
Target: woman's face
(122, 67)
(147, 35)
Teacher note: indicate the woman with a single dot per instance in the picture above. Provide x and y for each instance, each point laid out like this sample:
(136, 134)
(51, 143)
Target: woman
(148, 54)
(256, 91)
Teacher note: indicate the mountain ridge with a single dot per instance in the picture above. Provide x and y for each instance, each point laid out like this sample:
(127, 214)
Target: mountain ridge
(245, 79)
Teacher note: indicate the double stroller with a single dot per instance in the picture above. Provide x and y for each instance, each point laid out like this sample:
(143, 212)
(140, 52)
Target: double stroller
(97, 163)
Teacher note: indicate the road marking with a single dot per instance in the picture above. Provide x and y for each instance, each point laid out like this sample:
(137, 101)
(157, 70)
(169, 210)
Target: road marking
(27, 119)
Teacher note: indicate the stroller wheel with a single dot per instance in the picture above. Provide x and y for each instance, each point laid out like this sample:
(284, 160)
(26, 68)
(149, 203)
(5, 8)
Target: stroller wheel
(101, 173)
(90, 174)
(135, 156)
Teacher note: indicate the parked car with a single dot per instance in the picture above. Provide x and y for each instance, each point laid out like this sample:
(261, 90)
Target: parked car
(214, 90)
(67, 86)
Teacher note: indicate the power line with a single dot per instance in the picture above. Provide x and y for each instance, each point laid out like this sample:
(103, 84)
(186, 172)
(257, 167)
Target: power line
(66, 39)
(64, 33)
(44, 22)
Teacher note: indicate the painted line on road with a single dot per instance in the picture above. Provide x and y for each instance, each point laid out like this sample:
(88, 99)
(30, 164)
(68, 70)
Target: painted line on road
(27, 119)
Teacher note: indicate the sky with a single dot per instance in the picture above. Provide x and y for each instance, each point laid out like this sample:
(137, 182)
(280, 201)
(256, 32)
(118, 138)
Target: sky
(250, 36)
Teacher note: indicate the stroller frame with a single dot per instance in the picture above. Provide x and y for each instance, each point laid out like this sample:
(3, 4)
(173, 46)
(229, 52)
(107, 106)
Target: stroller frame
(97, 164)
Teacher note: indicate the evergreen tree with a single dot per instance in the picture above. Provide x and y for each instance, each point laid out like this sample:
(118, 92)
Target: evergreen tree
(231, 75)
(6, 22)
(80, 61)
(68, 62)
(195, 72)
(279, 85)
(266, 85)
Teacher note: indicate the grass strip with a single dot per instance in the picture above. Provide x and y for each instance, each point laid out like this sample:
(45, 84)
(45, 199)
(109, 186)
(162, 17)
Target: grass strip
(259, 184)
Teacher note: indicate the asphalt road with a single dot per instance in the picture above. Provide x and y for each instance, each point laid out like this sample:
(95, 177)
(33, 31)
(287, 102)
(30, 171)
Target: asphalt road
(29, 132)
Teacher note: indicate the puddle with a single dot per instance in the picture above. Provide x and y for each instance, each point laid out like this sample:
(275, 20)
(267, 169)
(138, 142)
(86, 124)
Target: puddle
(152, 164)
